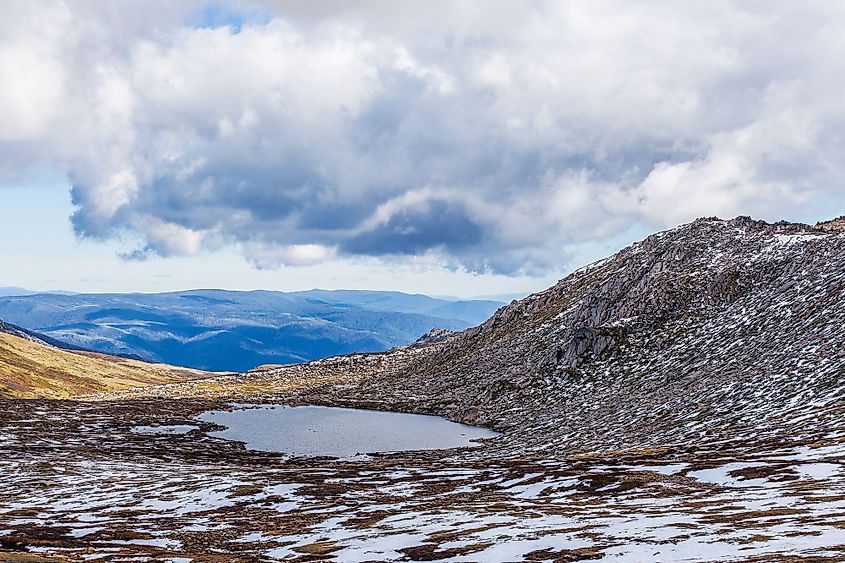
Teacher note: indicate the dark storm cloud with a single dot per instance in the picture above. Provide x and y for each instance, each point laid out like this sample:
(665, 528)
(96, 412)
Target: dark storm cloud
(415, 231)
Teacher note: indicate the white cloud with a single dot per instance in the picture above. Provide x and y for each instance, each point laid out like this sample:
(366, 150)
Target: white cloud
(490, 135)
(270, 256)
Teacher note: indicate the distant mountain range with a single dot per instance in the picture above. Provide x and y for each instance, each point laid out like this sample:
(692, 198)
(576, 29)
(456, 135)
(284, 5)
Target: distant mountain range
(11, 291)
(221, 330)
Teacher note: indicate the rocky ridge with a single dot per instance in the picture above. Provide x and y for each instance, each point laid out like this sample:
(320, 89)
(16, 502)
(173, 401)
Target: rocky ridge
(433, 336)
(836, 225)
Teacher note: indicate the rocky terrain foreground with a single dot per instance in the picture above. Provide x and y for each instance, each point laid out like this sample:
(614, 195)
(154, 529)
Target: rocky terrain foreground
(680, 400)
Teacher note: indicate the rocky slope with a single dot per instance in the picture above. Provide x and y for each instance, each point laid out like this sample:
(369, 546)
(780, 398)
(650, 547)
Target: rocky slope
(716, 330)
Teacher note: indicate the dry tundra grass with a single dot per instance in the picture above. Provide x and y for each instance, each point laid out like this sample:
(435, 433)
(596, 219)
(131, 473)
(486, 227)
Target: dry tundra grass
(29, 370)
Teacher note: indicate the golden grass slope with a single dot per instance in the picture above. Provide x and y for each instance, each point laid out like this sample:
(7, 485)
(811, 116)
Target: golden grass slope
(29, 370)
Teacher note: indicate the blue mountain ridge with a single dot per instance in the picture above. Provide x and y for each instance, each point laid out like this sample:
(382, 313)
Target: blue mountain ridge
(222, 330)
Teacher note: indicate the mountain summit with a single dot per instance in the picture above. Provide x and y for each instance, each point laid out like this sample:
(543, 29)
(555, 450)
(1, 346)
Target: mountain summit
(716, 328)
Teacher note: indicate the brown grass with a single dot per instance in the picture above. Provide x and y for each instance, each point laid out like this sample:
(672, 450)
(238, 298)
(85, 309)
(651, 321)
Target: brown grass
(29, 370)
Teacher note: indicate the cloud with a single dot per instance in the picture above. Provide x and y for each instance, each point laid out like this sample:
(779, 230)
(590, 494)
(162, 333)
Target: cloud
(487, 136)
(417, 228)
(271, 256)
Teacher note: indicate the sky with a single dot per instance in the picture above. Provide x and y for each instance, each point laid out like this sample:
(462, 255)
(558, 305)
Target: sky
(450, 148)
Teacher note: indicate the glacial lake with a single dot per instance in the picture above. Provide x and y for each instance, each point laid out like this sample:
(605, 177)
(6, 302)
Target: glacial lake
(339, 432)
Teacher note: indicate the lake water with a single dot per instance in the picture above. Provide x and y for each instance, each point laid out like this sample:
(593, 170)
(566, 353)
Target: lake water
(339, 432)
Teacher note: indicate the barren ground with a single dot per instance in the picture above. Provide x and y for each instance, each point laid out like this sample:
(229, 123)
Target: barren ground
(79, 484)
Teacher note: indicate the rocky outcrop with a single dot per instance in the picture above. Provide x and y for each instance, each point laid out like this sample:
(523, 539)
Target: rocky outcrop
(718, 326)
(837, 224)
(433, 336)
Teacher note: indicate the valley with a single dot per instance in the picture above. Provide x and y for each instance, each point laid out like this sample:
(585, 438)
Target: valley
(680, 400)
(424, 281)
(218, 330)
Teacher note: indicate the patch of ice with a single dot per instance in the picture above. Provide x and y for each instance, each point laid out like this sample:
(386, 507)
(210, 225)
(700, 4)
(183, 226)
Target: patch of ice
(790, 239)
(163, 543)
(82, 532)
(175, 429)
(515, 549)
(819, 471)
(720, 475)
(670, 469)
(804, 453)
